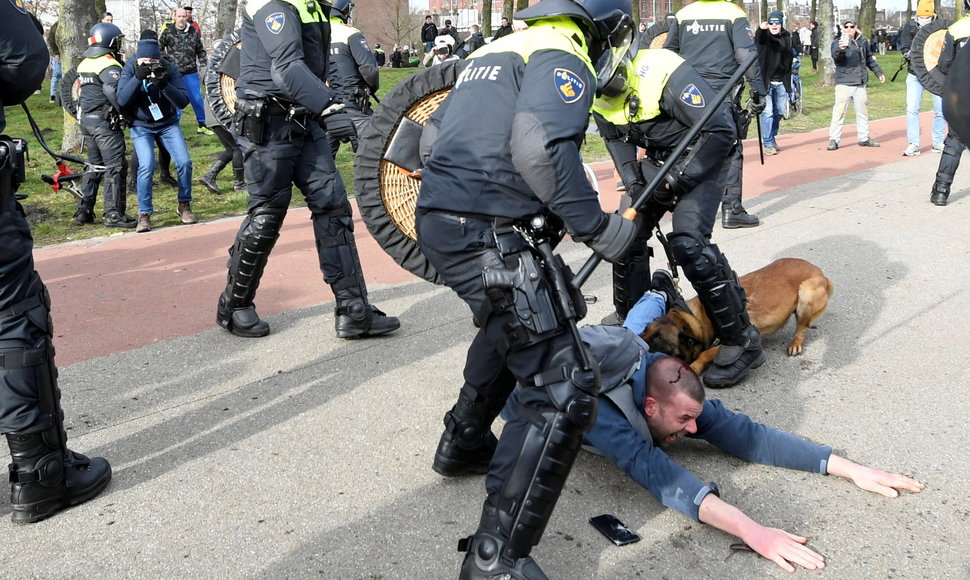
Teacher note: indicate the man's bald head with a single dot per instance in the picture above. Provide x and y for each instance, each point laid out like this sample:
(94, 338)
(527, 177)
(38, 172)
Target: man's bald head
(669, 375)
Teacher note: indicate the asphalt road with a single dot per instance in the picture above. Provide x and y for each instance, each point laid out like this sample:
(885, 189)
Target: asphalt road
(301, 455)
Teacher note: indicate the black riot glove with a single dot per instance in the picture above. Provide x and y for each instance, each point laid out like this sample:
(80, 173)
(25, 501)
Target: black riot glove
(757, 103)
(341, 127)
(143, 70)
(161, 75)
(665, 194)
(612, 239)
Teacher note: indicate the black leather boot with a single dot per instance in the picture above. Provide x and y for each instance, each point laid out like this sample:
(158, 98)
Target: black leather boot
(487, 554)
(733, 361)
(238, 180)
(735, 216)
(247, 259)
(467, 444)
(209, 179)
(941, 191)
(46, 476)
(355, 318)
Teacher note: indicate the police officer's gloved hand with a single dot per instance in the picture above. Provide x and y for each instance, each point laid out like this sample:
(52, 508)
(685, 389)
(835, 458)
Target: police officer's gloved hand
(341, 127)
(757, 102)
(143, 71)
(612, 239)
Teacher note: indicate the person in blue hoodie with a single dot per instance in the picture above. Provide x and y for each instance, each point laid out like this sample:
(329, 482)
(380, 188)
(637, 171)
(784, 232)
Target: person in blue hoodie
(152, 92)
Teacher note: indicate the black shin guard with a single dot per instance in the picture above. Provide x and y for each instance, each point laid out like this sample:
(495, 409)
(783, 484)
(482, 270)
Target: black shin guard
(45, 476)
(355, 317)
(247, 259)
(467, 443)
(514, 519)
(724, 301)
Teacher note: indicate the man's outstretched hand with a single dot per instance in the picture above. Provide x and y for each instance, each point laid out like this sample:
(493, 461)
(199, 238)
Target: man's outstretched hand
(783, 549)
(874, 480)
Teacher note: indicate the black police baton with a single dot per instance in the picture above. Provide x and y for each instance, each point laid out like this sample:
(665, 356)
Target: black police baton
(587, 270)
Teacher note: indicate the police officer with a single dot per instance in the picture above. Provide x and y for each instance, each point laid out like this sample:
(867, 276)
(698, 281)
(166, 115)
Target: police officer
(536, 88)
(45, 476)
(102, 127)
(353, 74)
(957, 36)
(281, 103)
(715, 37)
(656, 99)
(379, 56)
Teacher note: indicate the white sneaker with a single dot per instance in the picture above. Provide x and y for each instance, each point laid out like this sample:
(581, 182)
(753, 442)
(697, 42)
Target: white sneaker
(938, 148)
(912, 150)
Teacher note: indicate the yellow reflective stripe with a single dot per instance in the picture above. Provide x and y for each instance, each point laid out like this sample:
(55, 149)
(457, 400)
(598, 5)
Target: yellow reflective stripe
(710, 10)
(649, 73)
(960, 29)
(97, 64)
(310, 11)
(340, 32)
(553, 33)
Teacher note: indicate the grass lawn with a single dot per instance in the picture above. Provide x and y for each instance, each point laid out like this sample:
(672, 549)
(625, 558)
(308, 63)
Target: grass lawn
(50, 213)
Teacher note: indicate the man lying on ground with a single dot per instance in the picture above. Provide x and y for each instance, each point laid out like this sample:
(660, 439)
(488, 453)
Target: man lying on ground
(650, 400)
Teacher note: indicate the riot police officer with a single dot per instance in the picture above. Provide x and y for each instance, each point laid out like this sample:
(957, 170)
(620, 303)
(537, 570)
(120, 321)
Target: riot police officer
(281, 103)
(474, 225)
(354, 74)
(956, 39)
(661, 98)
(715, 37)
(99, 116)
(45, 476)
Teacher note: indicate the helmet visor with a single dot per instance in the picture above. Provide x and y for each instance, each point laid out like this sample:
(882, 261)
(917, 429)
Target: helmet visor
(613, 49)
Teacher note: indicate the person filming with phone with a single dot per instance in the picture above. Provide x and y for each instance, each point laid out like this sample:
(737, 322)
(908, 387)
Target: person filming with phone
(852, 57)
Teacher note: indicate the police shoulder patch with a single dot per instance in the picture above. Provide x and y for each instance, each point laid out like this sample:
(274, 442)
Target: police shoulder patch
(114, 72)
(19, 5)
(569, 85)
(692, 96)
(275, 22)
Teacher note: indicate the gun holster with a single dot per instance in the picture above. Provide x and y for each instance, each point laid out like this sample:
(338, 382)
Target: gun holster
(250, 120)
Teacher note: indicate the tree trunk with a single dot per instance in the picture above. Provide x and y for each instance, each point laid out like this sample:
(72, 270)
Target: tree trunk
(75, 21)
(225, 18)
(814, 13)
(826, 35)
(521, 4)
(487, 18)
(867, 18)
(507, 9)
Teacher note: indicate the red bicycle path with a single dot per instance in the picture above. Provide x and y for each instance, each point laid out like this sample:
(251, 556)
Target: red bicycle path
(129, 290)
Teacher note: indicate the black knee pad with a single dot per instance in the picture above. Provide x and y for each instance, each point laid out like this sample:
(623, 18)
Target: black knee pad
(701, 260)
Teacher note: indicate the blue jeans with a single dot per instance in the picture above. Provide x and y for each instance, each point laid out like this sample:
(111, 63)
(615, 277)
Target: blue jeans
(914, 94)
(55, 75)
(143, 139)
(192, 87)
(648, 308)
(773, 114)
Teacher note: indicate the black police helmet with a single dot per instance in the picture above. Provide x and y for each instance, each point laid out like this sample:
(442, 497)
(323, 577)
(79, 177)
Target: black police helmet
(341, 9)
(608, 23)
(104, 38)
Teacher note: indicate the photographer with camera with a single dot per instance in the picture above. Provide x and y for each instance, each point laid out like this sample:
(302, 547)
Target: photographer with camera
(45, 476)
(152, 91)
(99, 116)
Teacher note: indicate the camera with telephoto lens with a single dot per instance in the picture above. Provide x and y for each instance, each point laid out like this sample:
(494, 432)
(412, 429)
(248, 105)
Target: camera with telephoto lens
(13, 153)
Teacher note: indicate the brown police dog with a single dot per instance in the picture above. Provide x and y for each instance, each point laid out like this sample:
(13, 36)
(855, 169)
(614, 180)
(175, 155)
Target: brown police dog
(782, 288)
